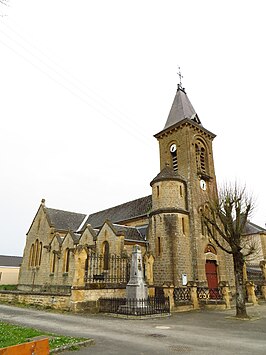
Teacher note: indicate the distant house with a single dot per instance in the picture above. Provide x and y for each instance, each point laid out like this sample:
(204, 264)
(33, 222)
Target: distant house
(255, 236)
(9, 269)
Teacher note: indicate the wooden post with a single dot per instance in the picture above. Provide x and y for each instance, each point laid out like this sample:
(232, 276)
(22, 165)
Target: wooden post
(194, 294)
(251, 292)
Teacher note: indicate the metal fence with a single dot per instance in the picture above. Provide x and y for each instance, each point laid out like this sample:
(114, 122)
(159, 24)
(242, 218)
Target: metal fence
(136, 307)
(207, 294)
(107, 269)
(182, 295)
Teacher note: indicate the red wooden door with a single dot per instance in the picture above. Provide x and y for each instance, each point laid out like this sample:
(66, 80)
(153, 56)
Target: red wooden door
(211, 273)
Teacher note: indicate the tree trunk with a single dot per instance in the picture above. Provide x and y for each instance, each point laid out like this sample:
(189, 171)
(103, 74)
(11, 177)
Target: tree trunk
(240, 286)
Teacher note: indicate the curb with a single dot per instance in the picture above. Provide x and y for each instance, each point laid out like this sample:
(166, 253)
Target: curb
(67, 347)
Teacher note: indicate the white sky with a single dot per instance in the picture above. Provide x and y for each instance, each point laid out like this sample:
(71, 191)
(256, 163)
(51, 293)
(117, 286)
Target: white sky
(86, 84)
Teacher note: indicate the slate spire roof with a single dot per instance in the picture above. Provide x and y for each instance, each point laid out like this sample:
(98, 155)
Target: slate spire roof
(181, 109)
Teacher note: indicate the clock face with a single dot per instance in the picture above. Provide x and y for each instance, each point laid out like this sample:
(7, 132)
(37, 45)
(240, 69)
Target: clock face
(173, 148)
(203, 184)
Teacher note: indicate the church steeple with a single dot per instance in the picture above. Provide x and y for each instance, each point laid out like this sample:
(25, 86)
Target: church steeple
(181, 109)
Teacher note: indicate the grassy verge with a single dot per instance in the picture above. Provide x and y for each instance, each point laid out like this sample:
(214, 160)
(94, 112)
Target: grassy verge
(8, 287)
(13, 334)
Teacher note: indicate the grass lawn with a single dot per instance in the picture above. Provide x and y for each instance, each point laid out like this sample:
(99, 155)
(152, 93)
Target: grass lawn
(14, 334)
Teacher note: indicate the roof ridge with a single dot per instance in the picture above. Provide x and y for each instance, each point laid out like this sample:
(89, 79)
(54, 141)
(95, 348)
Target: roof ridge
(57, 209)
(256, 225)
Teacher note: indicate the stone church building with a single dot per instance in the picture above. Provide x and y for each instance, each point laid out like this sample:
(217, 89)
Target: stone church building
(92, 252)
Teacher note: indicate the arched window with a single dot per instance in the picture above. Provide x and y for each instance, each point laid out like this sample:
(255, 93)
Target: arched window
(159, 246)
(105, 255)
(174, 160)
(31, 255)
(67, 257)
(201, 157)
(180, 191)
(53, 263)
(174, 156)
(40, 253)
(183, 225)
(210, 249)
(36, 259)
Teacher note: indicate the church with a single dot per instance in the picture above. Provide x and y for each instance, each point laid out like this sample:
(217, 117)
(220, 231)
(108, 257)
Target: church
(91, 253)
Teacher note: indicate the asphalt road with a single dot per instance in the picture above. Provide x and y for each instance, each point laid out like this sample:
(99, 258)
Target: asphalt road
(200, 332)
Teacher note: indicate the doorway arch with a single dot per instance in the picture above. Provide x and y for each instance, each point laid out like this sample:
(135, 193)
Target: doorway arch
(211, 266)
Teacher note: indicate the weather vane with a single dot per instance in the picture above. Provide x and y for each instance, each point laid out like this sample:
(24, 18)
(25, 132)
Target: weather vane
(180, 78)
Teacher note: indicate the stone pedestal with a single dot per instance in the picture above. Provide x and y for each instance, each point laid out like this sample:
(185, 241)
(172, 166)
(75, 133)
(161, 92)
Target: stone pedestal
(226, 293)
(169, 292)
(136, 290)
(251, 292)
(80, 260)
(77, 291)
(193, 294)
(263, 291)
(263, 268)
(136, 287)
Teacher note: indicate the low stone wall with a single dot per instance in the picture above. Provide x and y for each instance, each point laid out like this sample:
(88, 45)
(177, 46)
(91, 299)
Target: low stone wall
(45, 300)
(80, 299)
(84, 300)
(64, 289)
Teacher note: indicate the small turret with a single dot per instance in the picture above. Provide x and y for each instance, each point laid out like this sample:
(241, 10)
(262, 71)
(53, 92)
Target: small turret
(168, 191)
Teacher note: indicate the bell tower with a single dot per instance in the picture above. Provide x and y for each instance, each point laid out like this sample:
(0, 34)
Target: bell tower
(185, 183)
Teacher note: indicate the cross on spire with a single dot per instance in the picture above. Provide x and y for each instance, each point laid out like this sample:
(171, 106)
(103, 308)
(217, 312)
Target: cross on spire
(180, 78)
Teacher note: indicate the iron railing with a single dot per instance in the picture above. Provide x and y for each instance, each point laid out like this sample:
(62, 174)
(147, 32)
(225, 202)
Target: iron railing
(107, 269)
(182, 295)
(206, 294)
(136, 307)
(258, 289)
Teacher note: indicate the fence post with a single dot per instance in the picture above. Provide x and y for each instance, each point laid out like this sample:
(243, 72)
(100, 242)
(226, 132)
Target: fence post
(151, 291)
(226, 293)
(263, 290)
(193, 293)
(169, 292)
(263, 268)
(251, 292)
(79, 273)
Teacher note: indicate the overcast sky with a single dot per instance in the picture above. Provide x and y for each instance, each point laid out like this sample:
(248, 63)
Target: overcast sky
(86, 84)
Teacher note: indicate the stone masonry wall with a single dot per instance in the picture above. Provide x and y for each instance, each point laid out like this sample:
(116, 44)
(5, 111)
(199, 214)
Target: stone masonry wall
(61, 302)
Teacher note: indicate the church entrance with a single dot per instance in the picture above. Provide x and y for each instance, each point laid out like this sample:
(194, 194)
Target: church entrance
(211, 273)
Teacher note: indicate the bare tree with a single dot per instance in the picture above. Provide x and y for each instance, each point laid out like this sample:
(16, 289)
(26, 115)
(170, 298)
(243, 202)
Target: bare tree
(225, 220)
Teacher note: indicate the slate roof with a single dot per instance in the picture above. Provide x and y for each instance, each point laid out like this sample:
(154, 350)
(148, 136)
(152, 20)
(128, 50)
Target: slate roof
(181, 109)
(64, 220)
(124, 212)
(131, 233)
(252, 228)
(167, 173)
(7, 260)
